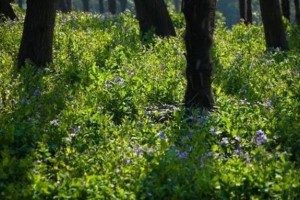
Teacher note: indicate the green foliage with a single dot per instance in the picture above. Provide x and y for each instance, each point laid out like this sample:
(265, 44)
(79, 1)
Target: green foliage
(105, 120)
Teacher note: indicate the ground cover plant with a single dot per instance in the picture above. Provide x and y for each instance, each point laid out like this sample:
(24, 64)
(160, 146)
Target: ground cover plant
(106, 121)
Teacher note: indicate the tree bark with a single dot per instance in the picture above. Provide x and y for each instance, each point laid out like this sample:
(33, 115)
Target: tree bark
(200, 19)
(297, 12)
(273, 26)
(123, 5)
(86, 5)
(112, 6)
(6, 10)
(245, 11)
(37, 38)
(101, 6)
(154, 14)
(65, 6)
(177, 5)
(285, 6)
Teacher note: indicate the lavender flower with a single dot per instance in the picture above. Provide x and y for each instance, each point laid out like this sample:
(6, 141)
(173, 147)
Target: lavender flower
(36, 92)
(224, 141)
(161, 135)
(182, 155)
(238, 151)
(268, 103)
(260, 138)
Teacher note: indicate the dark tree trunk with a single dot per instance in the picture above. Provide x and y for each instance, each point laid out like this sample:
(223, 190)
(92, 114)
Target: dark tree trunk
(246, 11)
(154, 14)
(177, 5)
(86, 5)
(297, 11)
(6, 10)
(65, 5)
(200, 19)
(101, 6)
(123, 5)
(285, 6)
(273, 25)
(37, 38)
(112, 6)
(20, 3)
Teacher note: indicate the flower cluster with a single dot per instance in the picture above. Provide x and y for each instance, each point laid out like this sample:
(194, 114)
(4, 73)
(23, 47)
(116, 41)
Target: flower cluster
(260, 138)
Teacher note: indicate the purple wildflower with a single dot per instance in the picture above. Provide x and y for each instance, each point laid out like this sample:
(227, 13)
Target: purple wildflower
(183, 155)
(224, 141)
(260, 138)
(36, 92)
(161, 135)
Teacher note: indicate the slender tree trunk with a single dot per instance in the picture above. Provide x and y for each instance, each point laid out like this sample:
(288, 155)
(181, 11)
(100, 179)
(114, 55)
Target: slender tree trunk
(177, 5)
(200, 19)
(101, 6)
(112, 6)
(245, 11)
(285, 6)
(273, 25)
(86, 5)
(297, 11)
(65, 5)
(20, 3)
(123, 5)
(154, 14)
(37, 38)
(6, 10)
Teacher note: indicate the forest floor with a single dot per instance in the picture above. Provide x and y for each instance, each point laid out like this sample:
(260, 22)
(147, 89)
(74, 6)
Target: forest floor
(106, 121)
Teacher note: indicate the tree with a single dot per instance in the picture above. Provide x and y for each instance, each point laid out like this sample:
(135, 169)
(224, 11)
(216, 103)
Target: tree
(112, 6)
(273, 25)
(6, 10)
(86, 5)
(37, 37)
(200, 19)
(123, 5)
(297, 11)
(101, 6)
(154, 14)
(285, 6)
(65, 5)
(245, 11)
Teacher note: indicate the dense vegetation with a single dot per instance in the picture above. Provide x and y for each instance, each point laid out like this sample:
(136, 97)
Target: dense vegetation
(106, 121)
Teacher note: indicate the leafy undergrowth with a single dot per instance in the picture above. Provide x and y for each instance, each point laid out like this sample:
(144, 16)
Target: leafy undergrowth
(105, 120)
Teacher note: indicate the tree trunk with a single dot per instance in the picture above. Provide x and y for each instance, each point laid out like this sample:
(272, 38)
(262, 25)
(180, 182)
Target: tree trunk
(273, 25)
(65, 6)
(37, 38)
(297, 11)
(245, 11)
(86, 5)
(101, 6)
(123, 5)
(112, 6)
(6, 10)
(20, 3)
(285, 6)
(177, 5)
(200, 19)
(154, 14)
